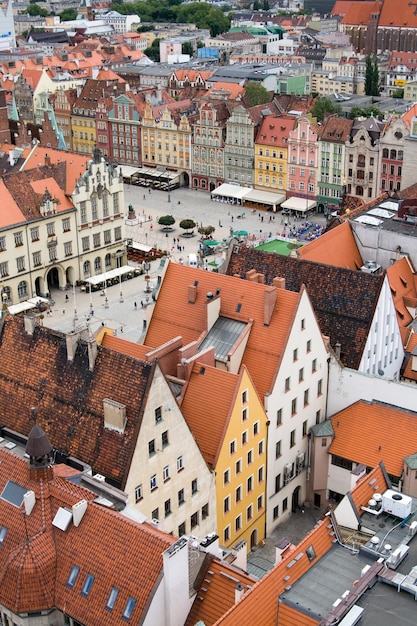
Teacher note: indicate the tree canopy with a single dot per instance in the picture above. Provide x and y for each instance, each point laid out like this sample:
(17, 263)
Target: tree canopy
(68, 14)
(187, 224)
(371, 77)
(323, 107)
(166, 220)
(255, 94)
(36, 10)
(153, 51)
(206, 230)
(371, 111)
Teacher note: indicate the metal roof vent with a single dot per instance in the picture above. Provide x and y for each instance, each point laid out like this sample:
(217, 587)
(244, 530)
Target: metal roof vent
(38, 447)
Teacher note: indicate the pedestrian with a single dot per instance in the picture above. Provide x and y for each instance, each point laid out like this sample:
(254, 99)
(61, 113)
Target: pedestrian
(63, 311)
(135, 306)
(144, 197)
(232, 218)
(141, 303)
(92, 312)
(66, 297)
(102, 323)
(121, 329)
(149, 190)
(220, 223)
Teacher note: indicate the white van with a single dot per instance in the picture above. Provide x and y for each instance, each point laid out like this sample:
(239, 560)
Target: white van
(192, 260)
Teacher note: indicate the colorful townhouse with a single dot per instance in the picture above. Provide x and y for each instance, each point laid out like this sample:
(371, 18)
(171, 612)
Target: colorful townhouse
(391, 156)
(362, 158)
(239, 148)
(271, 153)
(333, 135)
(230, 428)
(208, 137)
(272, 332)
(125, 129)
(303, 151)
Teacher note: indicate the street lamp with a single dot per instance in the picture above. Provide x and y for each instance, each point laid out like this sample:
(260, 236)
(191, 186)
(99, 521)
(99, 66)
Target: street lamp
(106, 302)
(91, 299)
(120, 284)
(75, 304)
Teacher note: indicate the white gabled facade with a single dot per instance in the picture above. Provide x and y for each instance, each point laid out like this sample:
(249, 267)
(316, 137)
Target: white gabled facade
(297, 402)
(384, 353)
(169, 481)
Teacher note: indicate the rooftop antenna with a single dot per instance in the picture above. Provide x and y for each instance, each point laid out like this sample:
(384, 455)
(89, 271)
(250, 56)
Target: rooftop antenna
(75, 306)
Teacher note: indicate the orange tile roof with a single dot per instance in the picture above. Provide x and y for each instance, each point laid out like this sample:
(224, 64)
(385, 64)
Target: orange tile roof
(408, 115)
(216, 593)
(216, 412)
(410, 347)
(36, 558)
(50, 184)
(260, 604)
(174, 315)
(363, 491)
(9, 210)
(123, 346)
(370, 432)
(235, 90)
(274, 130)
(76, 163)
(403, 283)
(336, 247)
(356, 13)
(397, 13)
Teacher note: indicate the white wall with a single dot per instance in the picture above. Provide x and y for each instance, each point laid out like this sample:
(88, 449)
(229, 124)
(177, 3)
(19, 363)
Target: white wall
(347, 386)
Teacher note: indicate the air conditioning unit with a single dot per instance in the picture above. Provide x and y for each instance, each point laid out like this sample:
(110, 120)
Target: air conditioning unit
(155, 521)
(300, 459)
(287, 473)
(100, 478)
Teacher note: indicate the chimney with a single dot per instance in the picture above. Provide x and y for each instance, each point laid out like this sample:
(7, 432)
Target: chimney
(92, 353)
(30, 321)
(192, 294)
(338, 349)
(239, 591)
(29, 501)
(213, 303)
(78, 511)
(270, 298)
(72, 342)
(47, 159)
(177, 581)
(279, 282)
(251, 275)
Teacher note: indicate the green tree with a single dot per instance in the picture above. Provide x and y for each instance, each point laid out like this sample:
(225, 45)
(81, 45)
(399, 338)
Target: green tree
(375, 79)
(36, 10)
(255, 94)
(368, 75)
(166, 221)
(256, 5)
(323, 107)
(145, 28)
(265, 5)
(398, 93)
(371, 111)
(187, 225)
(187, 48)
(206, 231)
(67, 15)
(153, 51)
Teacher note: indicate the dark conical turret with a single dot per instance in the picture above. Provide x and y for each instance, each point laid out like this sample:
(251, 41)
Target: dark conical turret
(39, 448)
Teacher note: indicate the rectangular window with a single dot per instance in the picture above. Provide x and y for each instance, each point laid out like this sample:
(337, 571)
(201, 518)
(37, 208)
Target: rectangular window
(238, 494)
(309, 345)
(53, 255)
(88, 583)
(285, 504)
(85, 242)
(275, 512)
(320, 387)
(318, 416)
(323, 442)
(294, 406)
(128, 610)
(158, 415)
(37, 259)
(232, 446)
(194, 486)
(118, 233)
(73, 575)
(301, 375)
(244, 437)
(111, 600)
(244, 415)
(155, 514)
(261, 447)
(303, 324)
(153, 482)
(194, 520)
(226, 505)
(250, 457)
(205, 511)
(165, 473)
(292, 439)
(249, 484)
(277, 483)
(181, 529)
(295, 355)
(305, 428)
(68, 248)
(180, 464)
(66, 225)
(238, 466)
(255, 429)
(314, 365)
(164, 439)
(244, 397)
(138, 493)
(287, 384)
(238, 523)
(34, 234)
(226, 477)
(20, 263)
(278, 449)
(4, 269)
(279, 417)
(18, 239)
(96, 240)
(249, 513)
(167, 507)
(107, 237)
(226, 534)
(260, 502)
(306, 397)
(151, 447)
(50, 229)
(181, 497)
(260, 474)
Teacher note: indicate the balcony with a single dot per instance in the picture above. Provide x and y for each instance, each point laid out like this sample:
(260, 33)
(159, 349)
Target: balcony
(52, 241)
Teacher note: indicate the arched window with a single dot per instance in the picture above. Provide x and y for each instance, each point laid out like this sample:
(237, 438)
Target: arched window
(107, 261)
(97, 265)
(22, 289)
(393, 154)
(359, 191)
(385, 153)
(87, 269)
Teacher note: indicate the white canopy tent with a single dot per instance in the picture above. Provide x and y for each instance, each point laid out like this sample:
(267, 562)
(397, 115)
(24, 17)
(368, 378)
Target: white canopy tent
(107, 276)
(14, 309)
(227, 192)
(264, 197)
(299, 204)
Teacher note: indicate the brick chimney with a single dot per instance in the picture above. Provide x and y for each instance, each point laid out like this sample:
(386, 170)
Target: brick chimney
(279, 282)
(270, 298)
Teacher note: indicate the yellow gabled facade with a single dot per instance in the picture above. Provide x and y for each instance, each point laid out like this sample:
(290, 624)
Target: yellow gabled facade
(271, 154)
(240, 469)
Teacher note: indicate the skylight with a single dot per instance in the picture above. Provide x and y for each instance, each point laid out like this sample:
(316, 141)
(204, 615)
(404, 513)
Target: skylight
(73, 575)
(13, 493)
(88, 583)
(130, 605)
(111, 601)
(3, 533)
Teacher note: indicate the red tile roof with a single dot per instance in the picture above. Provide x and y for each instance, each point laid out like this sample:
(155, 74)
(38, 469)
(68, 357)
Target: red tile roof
(36, 557)
(216, 412)
(370, 432)
(216, 594)
(76, 164)
(72, 413)
(410, 348)
(403, 283)
(397, 13)
(274, 131)
(336, 247)
(355, 13)
(174, 315)
(260, 604)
